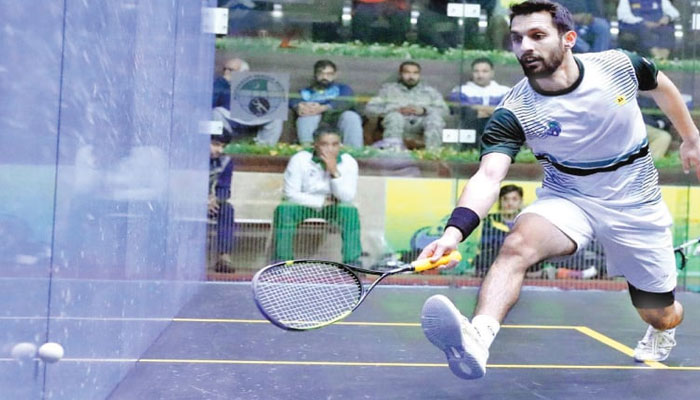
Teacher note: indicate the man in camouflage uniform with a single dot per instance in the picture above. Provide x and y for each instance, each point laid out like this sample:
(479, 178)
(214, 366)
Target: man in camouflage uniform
(412, 112)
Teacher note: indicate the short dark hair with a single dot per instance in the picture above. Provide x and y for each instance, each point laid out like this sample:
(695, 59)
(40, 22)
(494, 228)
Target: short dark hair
(482, 60)
(321, 64)
(403, 64)
(326, 129)
(510, 189)
(560, 15)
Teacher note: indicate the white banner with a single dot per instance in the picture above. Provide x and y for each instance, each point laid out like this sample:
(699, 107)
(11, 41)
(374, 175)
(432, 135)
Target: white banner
(259, 97)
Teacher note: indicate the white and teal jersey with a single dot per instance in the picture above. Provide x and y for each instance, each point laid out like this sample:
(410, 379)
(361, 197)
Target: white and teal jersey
(590, 138)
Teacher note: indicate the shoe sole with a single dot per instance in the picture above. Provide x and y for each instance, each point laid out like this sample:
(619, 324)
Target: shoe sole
(441, 323)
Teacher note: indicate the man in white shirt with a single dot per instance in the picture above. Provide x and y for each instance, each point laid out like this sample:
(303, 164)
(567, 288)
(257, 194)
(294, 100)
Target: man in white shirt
(480, 96)
(320, 183)
(580, 117)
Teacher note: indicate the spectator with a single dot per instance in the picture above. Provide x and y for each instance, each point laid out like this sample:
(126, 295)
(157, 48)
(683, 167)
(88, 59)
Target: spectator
(413, 113)
(658, 125)
(437, 29)
(266, 133)
(319, 184)
(247, 17)
(329, 102)
(659, 141)
(497, 225)
(498, 29)
(591, 26)
(646, 26)
(380, 21)
(480, 96)
(583, 265)
(219, 209)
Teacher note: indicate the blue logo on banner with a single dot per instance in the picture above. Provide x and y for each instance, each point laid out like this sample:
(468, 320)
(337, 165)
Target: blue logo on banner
(260, 95)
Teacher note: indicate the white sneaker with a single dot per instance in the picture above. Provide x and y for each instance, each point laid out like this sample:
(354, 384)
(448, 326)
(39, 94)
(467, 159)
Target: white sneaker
(655, 345)
(452, 333)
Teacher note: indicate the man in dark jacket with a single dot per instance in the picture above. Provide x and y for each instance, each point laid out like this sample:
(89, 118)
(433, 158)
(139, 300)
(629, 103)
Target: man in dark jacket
(328, 101)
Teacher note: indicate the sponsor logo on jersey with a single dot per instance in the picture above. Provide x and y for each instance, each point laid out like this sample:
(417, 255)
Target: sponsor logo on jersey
(553, 128)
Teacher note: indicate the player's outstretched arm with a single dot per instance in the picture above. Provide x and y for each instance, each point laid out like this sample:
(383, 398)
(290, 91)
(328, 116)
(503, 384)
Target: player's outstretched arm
(671, 103)
(480, 193)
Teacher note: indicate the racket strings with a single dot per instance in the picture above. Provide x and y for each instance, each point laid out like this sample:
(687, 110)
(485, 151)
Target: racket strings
(307, 295)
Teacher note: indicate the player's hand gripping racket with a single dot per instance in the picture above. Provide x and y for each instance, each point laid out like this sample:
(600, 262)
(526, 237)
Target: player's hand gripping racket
(308, 294)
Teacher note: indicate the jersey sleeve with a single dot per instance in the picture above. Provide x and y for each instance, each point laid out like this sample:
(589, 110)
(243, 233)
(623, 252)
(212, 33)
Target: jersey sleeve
(645, 70)
(502, 134)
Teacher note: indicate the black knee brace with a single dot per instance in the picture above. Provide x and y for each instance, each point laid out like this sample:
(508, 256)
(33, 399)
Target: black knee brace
(644, 299)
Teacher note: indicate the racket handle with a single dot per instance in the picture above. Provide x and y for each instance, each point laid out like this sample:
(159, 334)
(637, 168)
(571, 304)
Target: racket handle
(425, 264)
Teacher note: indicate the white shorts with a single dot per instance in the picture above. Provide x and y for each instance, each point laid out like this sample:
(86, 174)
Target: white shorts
(637, 240)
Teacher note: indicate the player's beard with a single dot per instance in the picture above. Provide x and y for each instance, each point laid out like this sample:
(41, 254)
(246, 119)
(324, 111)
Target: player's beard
(547, 65)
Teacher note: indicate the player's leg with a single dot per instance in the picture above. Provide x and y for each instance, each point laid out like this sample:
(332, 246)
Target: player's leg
(663, 313)
(660, 310)
(533, 239)
(548, 228)
(638, 245)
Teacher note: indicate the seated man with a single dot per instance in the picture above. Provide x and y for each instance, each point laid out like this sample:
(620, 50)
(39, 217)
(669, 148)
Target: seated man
(413, 113)
(592, 27)
(480, 96)
(268, 133)
(646, 26)
(319, 184)
(328, 101)
(219, 209)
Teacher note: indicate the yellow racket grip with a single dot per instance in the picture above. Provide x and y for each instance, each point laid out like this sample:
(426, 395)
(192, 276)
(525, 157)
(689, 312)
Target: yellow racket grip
(425, 264)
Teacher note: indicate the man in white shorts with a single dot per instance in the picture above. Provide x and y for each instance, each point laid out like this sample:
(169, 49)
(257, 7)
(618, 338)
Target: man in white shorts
(580, 117)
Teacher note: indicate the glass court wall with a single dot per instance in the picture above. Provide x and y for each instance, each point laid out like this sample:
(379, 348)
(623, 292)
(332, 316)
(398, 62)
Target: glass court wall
(103, 179)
